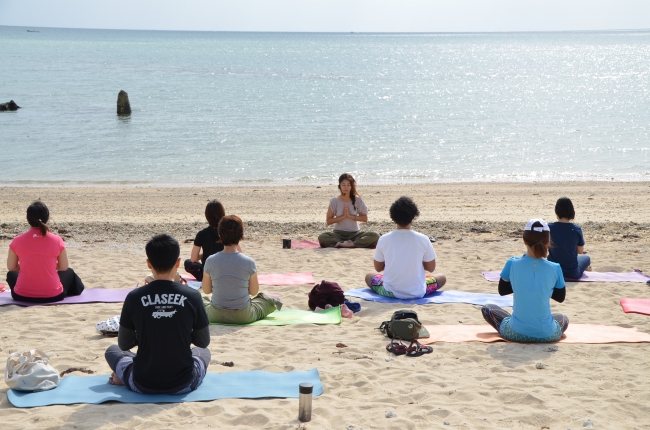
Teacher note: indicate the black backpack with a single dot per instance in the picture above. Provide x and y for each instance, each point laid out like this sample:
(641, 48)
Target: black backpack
(405, 325)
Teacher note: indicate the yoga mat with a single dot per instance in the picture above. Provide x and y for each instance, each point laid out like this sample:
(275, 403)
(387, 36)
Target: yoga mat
(438, 297)
(252, 384)
(576, 333)
(188, 277)
(636, 276)
(274, 279)
(90, 295)
(286, 279)
(295, 316)
(304, 244)
(639, 306)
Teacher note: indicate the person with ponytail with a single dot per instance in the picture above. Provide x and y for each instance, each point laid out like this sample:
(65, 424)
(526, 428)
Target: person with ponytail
(37, 263)
(231, 278)
(346, 211)
(534, 281)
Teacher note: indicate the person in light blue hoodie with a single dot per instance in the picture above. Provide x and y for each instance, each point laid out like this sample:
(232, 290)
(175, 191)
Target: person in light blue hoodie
(534, 281)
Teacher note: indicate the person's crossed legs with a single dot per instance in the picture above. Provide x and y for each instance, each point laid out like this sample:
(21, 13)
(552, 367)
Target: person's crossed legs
(121, 363)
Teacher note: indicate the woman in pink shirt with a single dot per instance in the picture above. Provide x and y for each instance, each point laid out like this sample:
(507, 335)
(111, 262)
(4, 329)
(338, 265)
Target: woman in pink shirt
(38, 262)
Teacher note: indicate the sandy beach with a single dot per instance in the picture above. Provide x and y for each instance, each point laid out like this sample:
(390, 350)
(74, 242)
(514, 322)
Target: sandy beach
(458, 386)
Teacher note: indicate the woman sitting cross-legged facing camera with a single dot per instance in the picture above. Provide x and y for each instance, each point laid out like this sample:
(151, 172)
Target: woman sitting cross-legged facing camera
(404, 255)
(534, 281)
(231, 277)
(37, 263)
(207, 241)
(568, 241)
(346, 212)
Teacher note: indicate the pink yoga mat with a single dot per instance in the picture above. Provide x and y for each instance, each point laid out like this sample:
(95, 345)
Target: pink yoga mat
(636, 276)
(275, 278)
(90, 295)
(576, 333)
(286, 279)
(304, 244)
(638, 306)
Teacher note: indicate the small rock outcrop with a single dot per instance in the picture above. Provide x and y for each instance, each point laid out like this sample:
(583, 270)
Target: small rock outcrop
(10, 105)
(123, 105)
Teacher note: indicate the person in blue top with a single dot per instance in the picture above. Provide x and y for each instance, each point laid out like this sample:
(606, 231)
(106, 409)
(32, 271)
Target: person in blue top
(567, 240)
(534, 281)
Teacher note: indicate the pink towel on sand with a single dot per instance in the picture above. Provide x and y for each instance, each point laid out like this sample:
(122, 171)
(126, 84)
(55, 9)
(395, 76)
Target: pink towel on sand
(636, 276)
(639, 306)
(304, 244)
(576, 333)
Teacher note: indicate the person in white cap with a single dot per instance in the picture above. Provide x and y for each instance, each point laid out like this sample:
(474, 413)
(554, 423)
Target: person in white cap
(534, 281)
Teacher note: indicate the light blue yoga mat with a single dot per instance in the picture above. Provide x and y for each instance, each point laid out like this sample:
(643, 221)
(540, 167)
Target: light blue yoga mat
(253, 384)
(438, 297)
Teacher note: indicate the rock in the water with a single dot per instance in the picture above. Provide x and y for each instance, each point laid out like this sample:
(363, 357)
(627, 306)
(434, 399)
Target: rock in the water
(123, 105)
(10, 105)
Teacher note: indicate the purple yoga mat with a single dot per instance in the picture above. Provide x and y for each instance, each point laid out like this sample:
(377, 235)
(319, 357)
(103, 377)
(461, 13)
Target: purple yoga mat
(91, 295)
(636, 276)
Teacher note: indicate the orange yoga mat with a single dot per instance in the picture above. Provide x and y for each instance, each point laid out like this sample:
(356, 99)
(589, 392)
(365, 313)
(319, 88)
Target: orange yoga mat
(576, 333)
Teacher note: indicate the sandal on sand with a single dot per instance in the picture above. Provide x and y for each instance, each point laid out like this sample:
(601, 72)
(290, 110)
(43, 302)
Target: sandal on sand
(396, 348)
(418, 349)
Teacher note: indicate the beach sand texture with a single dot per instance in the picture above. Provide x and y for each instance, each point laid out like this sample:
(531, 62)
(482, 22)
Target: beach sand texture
(467, 385)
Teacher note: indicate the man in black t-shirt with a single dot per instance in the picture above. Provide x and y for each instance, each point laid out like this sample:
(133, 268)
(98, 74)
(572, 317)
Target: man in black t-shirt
(163, 318)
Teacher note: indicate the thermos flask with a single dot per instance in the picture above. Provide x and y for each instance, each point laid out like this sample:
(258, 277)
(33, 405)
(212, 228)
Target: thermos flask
(304, 405)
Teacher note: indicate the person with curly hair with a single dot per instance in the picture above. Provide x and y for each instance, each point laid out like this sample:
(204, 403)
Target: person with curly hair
(346, 211)
(404, 255)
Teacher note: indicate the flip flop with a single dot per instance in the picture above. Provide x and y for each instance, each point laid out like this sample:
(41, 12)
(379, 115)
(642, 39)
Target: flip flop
(396, 348)
(418, 349)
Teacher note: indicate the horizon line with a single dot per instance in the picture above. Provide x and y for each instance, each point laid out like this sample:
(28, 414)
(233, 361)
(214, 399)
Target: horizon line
(332, 32)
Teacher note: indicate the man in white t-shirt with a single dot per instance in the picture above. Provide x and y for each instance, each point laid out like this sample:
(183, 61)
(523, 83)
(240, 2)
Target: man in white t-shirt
(403, 255)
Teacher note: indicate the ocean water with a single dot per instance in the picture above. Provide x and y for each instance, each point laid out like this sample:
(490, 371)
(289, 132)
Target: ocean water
(274, 108)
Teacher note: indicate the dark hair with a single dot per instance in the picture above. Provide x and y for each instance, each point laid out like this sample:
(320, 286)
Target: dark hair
(353, 190)
(163, 252)
(214, 212)
(38, 215)
(564, 208)
(403, 211)
(539, 241)
(231, 230)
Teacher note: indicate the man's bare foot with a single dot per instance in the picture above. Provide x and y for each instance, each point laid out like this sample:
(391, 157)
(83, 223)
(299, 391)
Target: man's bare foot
(114, 379)
(346, 244)
(338, 245)
(588, 269)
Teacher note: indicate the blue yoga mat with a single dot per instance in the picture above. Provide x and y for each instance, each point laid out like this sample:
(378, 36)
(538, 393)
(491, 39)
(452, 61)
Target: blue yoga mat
(438, 297)
(253, 384)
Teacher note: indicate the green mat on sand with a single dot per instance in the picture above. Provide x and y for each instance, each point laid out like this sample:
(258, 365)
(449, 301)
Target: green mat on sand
(295, 316)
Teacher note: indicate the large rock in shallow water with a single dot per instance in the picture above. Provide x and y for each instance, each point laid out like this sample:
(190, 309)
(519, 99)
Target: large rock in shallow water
(123, 105)
(10, 105)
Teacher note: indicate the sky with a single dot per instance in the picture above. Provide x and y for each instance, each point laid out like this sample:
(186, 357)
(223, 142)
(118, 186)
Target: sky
(330, 15)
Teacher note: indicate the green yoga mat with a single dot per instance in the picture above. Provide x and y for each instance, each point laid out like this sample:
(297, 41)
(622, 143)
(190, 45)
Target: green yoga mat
(295, 316)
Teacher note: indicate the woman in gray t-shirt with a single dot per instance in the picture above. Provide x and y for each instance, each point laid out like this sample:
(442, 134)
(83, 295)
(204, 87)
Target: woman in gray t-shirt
(231, 277)
(346, 211)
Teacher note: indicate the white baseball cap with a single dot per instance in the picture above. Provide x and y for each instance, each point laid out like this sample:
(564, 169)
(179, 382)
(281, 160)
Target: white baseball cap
(543, 227)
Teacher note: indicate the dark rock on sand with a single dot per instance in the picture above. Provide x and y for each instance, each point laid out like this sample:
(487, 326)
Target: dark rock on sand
(10, 105)
(123, 105)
